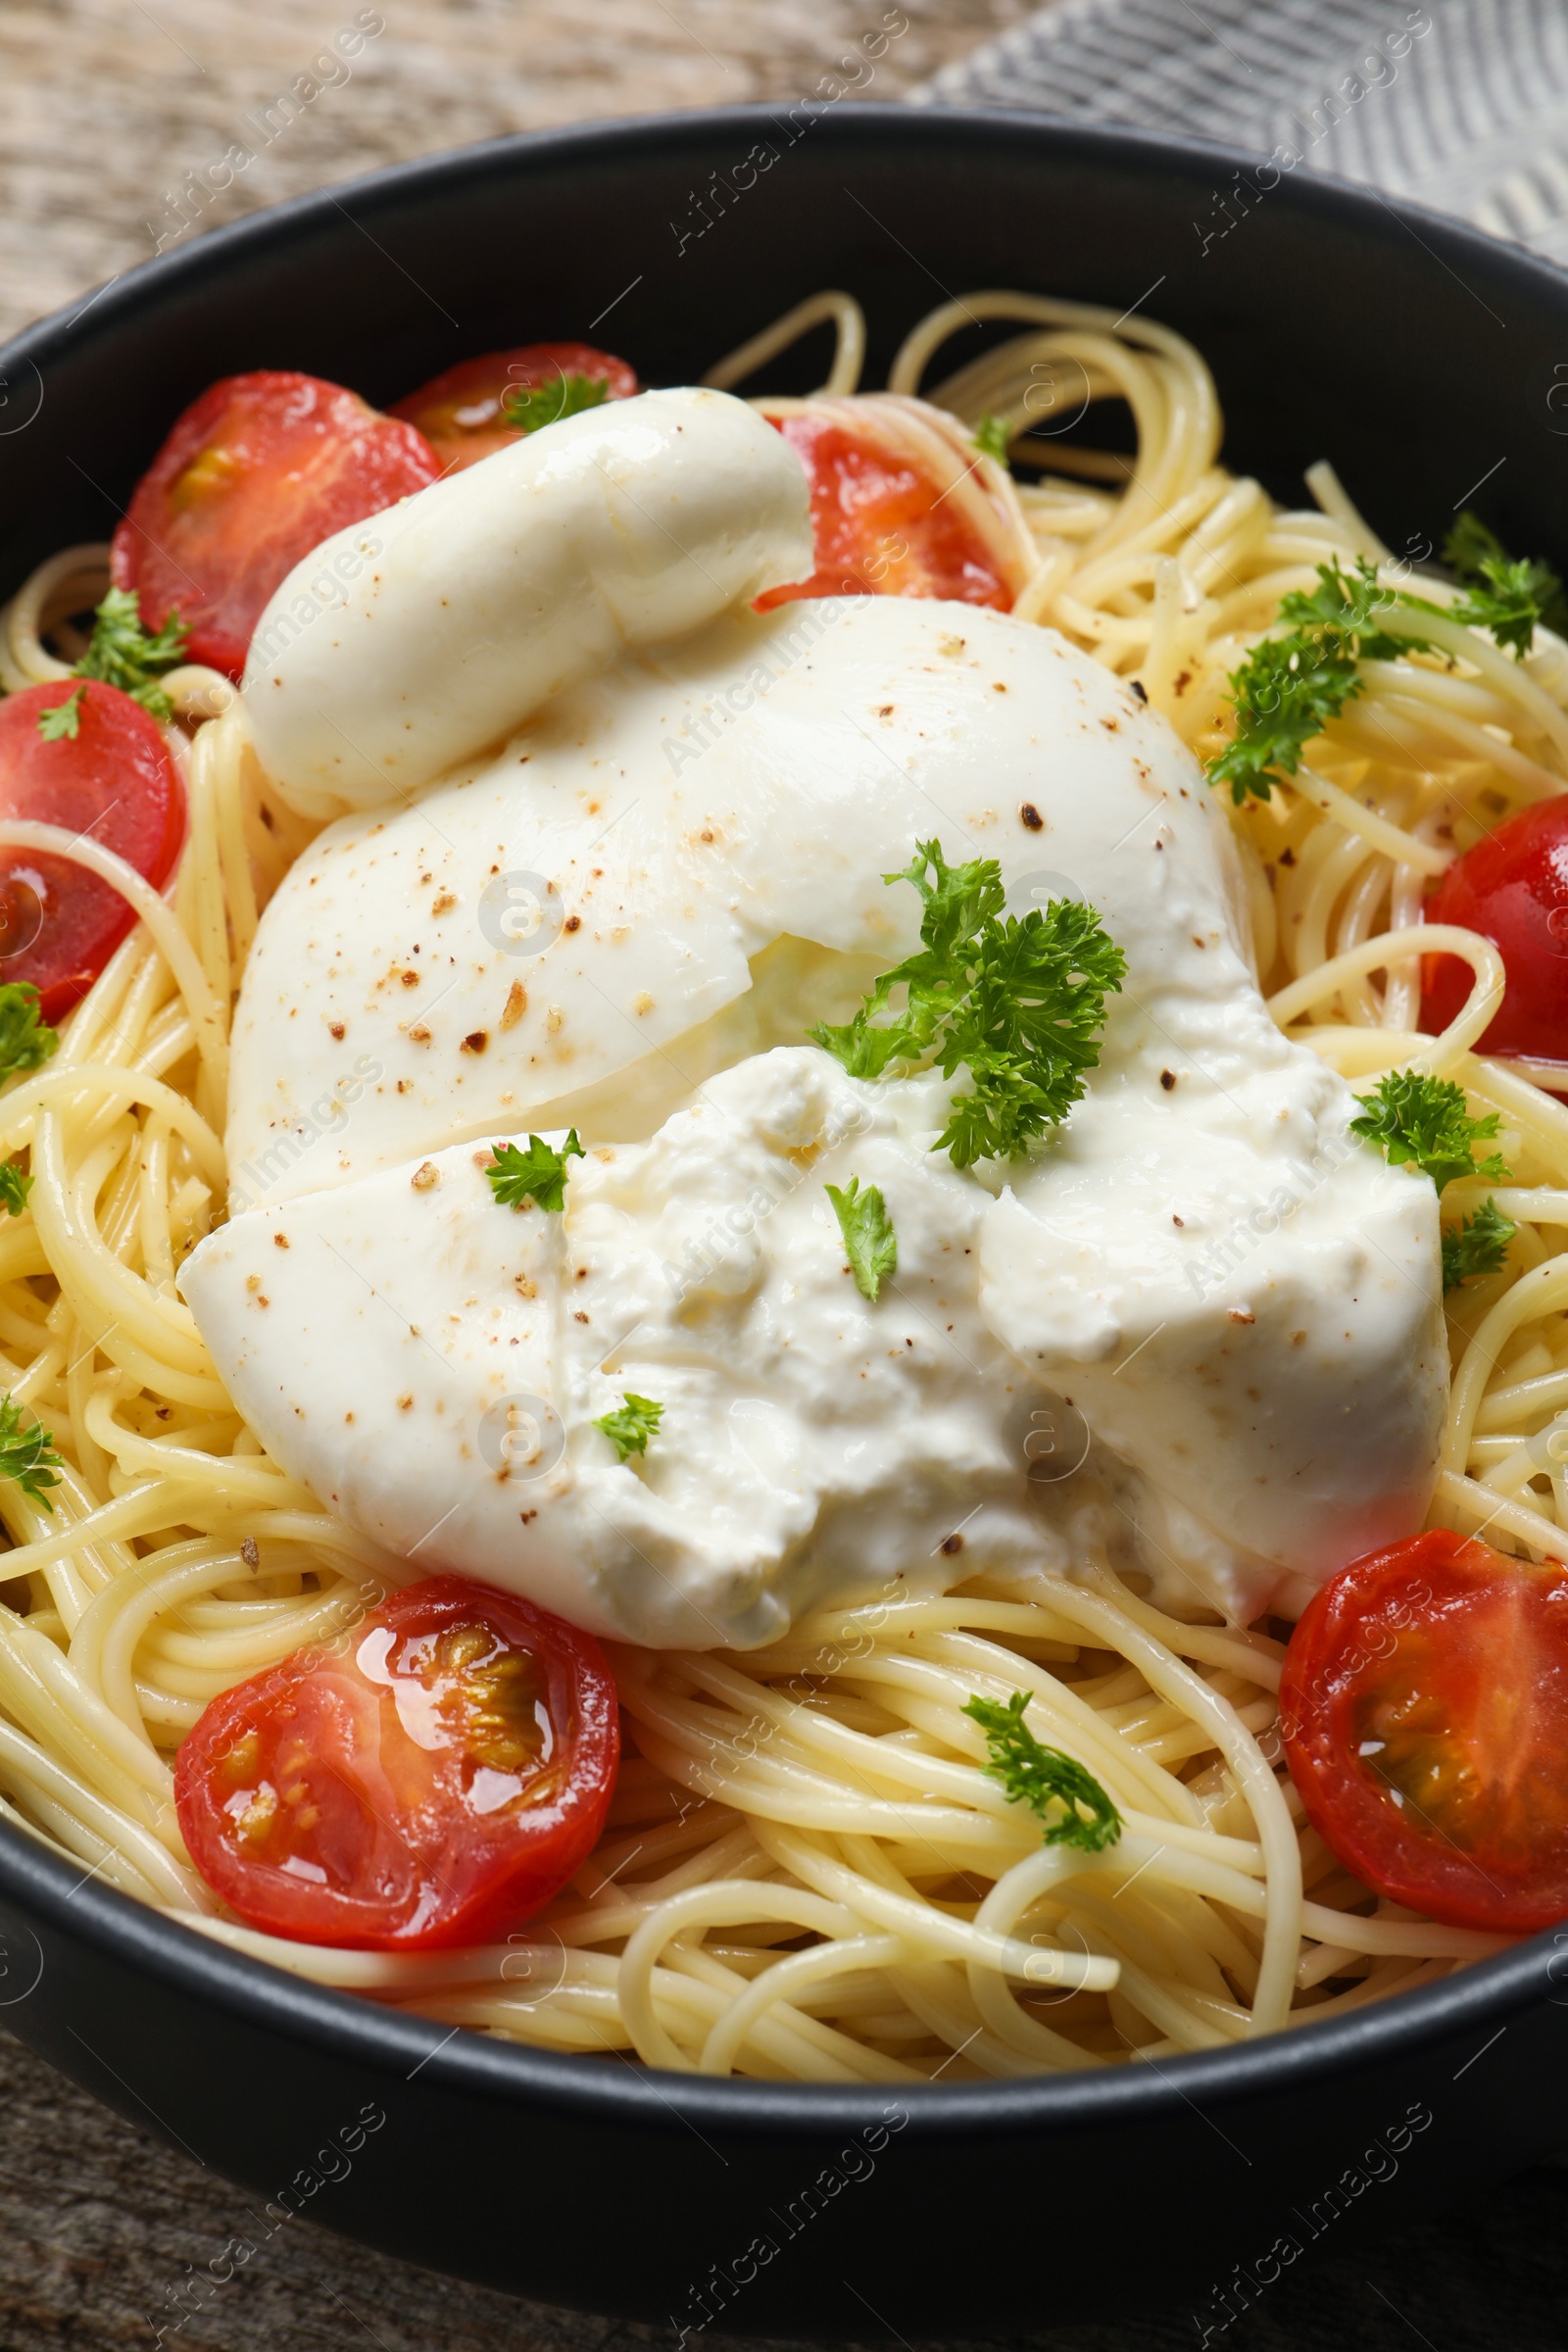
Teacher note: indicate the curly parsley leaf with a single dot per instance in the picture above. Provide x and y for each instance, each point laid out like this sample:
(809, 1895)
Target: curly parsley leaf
(1292, 684)
(632, 1423)
(14, 1188)
(1508, 606)
(870, 1241)
(1477, 1244)
(538, 1174)
(1289, 687)
(1422, 1122)
(27, 1454)
(1018, 1004)
(1478, 559)
(25, 1041)
(991, 437)
(529, 405)
(123, 654)
(62, 719)
(1070, 1802)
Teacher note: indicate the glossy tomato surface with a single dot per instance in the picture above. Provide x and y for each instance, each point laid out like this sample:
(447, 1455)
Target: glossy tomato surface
(878, 525)
(115, 780)
(461, 414)
(254, 476)
(431, 1779)
(1513, 889)
(1424, 1712)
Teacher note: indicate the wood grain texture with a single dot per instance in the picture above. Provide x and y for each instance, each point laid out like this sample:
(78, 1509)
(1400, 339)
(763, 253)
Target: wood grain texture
(107, 105)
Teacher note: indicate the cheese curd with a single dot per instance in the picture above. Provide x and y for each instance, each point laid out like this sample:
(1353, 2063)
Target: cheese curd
(619, 909)
(433, 1364)
(477, 599)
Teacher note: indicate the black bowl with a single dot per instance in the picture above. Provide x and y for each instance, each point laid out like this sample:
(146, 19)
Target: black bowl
(1427, 363)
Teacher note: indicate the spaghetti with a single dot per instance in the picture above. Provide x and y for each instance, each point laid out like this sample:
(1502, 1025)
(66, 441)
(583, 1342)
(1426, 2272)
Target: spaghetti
(806, 1870)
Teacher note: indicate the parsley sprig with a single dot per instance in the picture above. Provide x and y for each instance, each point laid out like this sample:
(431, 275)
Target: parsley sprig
(1292, 684)
(1422, 1122)
(527, 407)
(991, 435)
(1478, 559)
(27, 1454)
(14, 1188)
(870, 1241)
(1071, 1804)
(1477, 1244)
(61, 721)
(123, 654)
(1289, 686)
(516, 1176)
(25, 1041)
(632, 1423)
(1017, 1003)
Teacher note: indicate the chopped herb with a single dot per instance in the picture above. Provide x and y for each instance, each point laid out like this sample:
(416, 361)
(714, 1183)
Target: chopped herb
(1070, 1802)
(537, 1174)
(991, 435)
(14, 1188)
(632, 1423)
(62, 718)
(529, 405)
(27, 1454)
(1018, 1004)
(1508, 606)
(1476, 554)
(1422, 1122)
(25, 1041)
(1290, 687)
(1477, 1244)
(869, 1235)
(123, 654)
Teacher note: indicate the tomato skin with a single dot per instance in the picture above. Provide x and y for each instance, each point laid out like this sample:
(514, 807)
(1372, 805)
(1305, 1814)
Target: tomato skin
(459, 411)
(1450, 1663)
(878, 526)
(1512, 888)
(254, 476)
(59, 924)
(384, 1794)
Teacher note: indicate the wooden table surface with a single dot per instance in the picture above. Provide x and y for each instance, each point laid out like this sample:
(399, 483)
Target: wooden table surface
(105, 105)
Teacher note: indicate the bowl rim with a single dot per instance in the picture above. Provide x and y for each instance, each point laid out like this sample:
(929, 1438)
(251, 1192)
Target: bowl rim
(892, 124)
(347, 2026)
(354, 2030)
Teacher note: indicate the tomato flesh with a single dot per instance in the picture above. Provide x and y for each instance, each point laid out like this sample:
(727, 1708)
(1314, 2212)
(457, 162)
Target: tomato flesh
(1424, 1713)
(116, 781)
(459, 412)
(878, 526)
(1513, 889)
(254, 476)
(432, 1780)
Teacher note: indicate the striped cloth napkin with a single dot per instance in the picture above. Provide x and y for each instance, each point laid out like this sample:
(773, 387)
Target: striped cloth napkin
(1462, 105)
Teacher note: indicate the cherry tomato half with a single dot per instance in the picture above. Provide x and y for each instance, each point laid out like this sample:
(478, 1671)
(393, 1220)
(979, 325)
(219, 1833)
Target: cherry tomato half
(459, 412)
(1513, 889)
(115, 780)
(878, 526)
(1424, 1712)
(257, 472)
(435, 1784)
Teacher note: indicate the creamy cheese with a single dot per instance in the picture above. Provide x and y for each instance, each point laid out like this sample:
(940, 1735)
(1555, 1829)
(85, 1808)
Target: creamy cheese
(508, 949)
(433, 1364)
(623, 918)
(402, 645)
